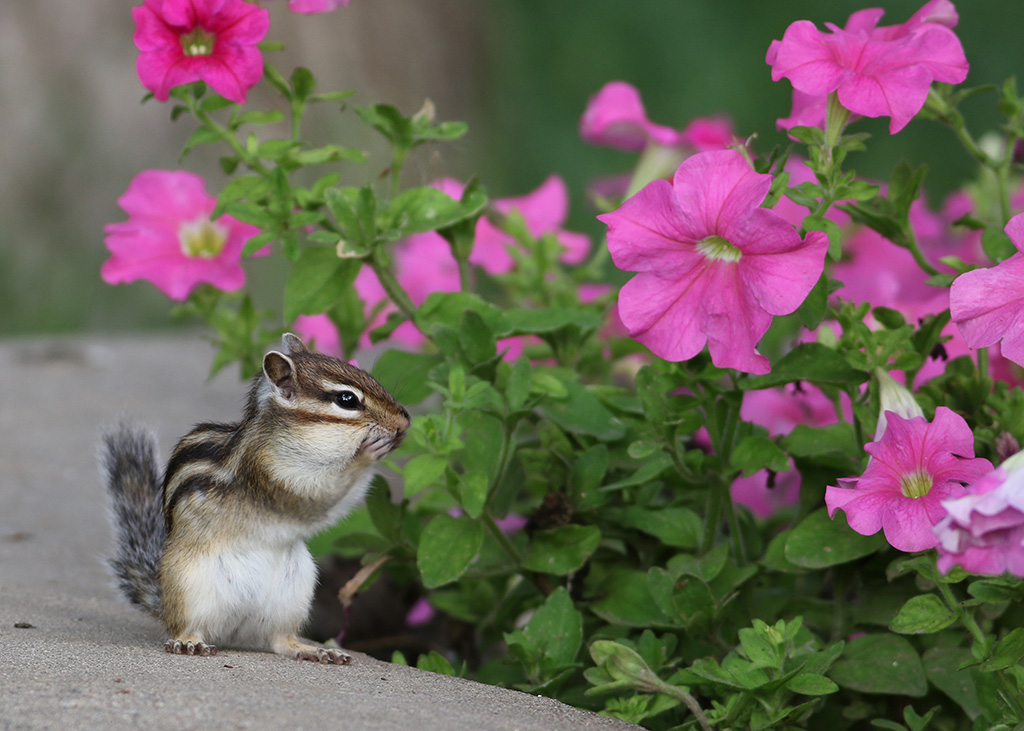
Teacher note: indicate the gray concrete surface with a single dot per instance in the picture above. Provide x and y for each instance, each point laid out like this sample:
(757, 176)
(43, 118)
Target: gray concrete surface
(89, 661)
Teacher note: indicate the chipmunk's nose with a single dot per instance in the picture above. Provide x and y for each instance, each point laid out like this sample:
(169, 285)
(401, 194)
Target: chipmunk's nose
(408, 419)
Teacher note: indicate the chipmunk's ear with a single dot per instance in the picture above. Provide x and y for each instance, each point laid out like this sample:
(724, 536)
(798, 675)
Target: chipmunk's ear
(280, 371)
(293, 344)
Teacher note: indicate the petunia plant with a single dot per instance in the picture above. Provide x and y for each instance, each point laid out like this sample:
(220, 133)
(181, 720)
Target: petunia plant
(750, 461)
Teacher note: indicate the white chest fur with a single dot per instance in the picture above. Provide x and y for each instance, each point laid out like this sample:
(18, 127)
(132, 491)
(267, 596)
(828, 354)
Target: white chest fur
(245, 594)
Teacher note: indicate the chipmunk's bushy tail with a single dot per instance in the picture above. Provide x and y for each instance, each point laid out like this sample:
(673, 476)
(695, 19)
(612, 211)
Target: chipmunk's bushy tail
(128, 461)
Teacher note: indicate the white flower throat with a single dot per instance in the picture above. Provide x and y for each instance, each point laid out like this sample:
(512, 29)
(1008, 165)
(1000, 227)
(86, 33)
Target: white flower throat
(716, 248)
(202, 238)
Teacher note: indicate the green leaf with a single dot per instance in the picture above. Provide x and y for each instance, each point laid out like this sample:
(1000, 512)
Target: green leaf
(387, 120)
(477, 341)
(942, 665)
(810, 684)
(473, 493)
(834, 439)
(202, 136)
(406, 375)
(555, 630)
(422, 471)
(447, 308)
(756, 453)
(818, 542)
(383, 512)
(921, 615)
(581, 412)
(815, 306)
(627, 601)
(303, 84)
(811, 362)
(317, 280)
(434, 662)
(1007, 652)
(885, 664)
(423, 209)
(325, 154)
(447, 547)
(674, 526)
(257, 242)
(254, 116)
(561, 550)
(517, 387)
(525, 322)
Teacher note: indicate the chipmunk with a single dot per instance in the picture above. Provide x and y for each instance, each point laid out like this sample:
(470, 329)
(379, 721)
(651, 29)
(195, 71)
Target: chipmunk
(216, 548)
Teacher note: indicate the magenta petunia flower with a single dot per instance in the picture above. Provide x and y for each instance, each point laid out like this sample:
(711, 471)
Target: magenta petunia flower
(876, 72)
(615, 117)
(984, 529)
(713, 266)
(914, 466)
(181, 41)
(987, 305)
(320, 331)
(309, 7)
(169, 238)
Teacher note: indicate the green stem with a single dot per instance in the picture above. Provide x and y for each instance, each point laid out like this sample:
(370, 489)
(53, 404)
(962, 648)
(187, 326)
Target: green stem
(982, 363)
(712, 518)
(966, 619)
(389, 282)
(501, 538)
(919, 257)
(739, 548)
(688, 700)
(228, 136)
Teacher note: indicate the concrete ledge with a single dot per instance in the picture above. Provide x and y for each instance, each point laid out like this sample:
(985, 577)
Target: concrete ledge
(89, 661)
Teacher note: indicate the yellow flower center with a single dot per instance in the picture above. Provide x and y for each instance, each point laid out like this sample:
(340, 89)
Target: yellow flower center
(198, 43)
(916, 484)
(718, 249)
(202, 238)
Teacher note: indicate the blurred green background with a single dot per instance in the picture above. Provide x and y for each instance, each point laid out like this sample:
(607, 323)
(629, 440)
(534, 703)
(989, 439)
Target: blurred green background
(73, 134)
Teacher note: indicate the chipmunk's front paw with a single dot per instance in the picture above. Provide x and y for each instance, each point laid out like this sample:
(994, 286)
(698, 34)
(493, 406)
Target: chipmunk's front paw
(377, 445)
(189, 647)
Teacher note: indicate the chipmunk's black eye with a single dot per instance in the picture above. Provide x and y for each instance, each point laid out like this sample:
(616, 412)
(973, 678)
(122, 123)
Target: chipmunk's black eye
(347, 400)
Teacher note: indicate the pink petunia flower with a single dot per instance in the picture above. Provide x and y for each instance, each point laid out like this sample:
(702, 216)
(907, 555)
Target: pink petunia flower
(615, 117)
(320, 331)
(424, 263)
(987, 305)
(914, 466)
(309, 7)
(169, 238)
(713, 266)
(984, 529)
(876, 72)
(779, 411)
(181, 41)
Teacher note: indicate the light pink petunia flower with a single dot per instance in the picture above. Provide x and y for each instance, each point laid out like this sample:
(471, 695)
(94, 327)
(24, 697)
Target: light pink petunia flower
(984, 529)
(181, 41)
(987, 305)
(309, 7)
(914, 466)
(713, 266)
(876, 71)
(169, 238)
